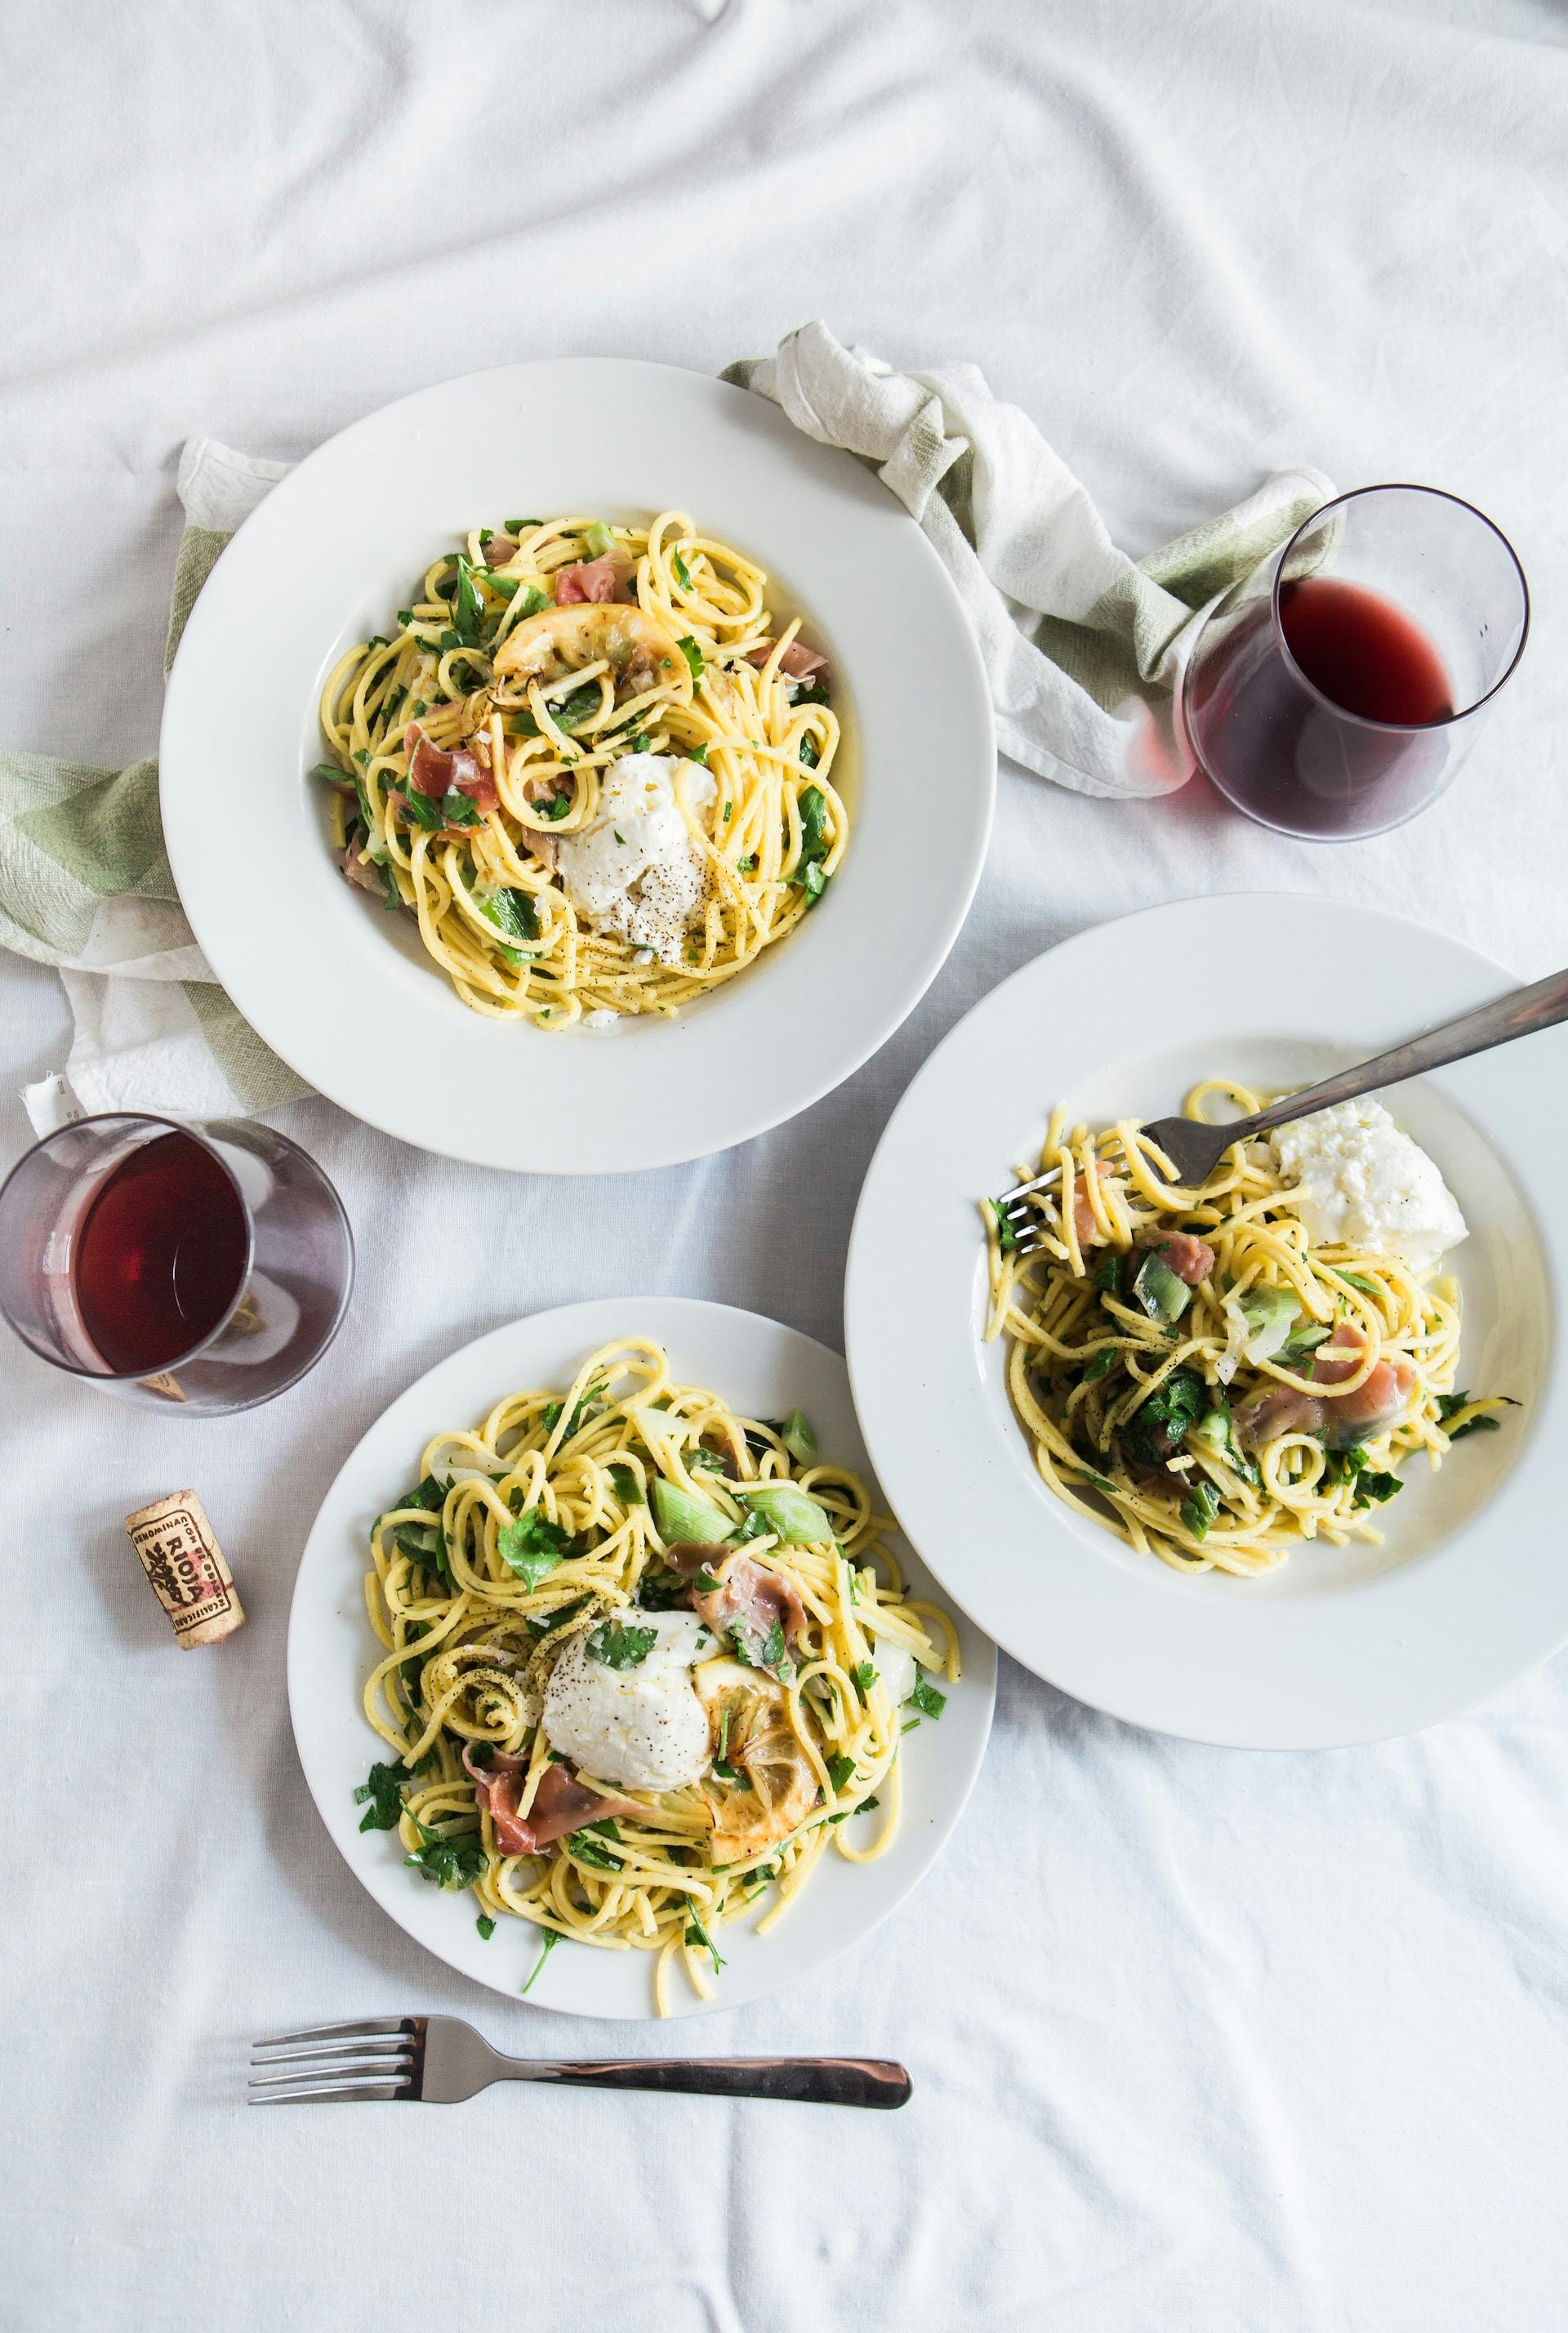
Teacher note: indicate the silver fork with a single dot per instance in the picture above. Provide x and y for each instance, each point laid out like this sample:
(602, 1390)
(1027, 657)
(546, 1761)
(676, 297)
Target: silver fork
(1195, 1149)
(443, 2060)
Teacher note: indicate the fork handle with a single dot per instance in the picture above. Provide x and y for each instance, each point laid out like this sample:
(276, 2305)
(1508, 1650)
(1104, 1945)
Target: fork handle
(815, 2081)
(1520, 1013)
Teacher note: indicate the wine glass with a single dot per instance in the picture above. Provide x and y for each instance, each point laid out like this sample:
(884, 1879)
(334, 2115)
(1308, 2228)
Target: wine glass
(205, 1264)
(1335, 692)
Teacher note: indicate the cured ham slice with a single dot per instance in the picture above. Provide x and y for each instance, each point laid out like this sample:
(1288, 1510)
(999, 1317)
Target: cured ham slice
(436, 773)
(797, 663)
(1084, 1222)
(1340, 1419)
(561, 1804)
(1189, 1258)
(597, 581)
(750, 1598)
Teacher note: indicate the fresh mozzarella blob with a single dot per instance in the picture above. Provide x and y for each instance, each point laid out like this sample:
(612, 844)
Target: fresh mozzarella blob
(633, 868)
(641, 1726)
(1361, 1182)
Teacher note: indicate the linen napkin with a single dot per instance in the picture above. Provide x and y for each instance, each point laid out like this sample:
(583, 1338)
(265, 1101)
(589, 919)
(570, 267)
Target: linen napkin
(85, 886)
(1083, 646)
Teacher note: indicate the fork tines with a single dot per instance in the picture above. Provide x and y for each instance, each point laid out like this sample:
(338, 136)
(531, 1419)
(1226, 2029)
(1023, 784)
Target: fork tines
(1014, 1211)
(379, 2058)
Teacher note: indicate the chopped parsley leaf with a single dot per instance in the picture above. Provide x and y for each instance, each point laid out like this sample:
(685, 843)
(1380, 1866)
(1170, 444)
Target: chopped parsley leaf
(682, 574)
(486, 1928)
(584, 1850)
(865, 1676)
(549, 1937)
(1007, 1237)
(455, 1861)
(384, 1795)
(531, 1546)
(694, 655)
(926, 1698)
(840, 1770)
(697, 1936)
(621, 1648)
(1198, 1509)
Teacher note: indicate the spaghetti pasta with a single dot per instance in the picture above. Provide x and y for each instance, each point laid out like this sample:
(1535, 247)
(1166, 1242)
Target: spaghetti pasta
(534, 1541)
(1198, 1377)
(481, 735)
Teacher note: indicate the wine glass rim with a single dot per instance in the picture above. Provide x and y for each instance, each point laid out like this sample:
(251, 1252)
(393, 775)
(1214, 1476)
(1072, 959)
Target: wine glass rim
(175, 1125)
(1361, 720)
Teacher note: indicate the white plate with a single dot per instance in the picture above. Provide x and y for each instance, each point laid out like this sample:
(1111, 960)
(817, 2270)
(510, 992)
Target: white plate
(1338, 1645)
(343, 990)
(764, 1370)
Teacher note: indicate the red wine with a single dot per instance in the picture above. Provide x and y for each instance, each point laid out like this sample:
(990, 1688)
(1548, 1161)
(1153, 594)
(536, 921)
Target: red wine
(1362, 651)
(1286, 755)
(160, 1256)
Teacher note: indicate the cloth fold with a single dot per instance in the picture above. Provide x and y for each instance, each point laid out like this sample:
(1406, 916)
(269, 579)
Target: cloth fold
(1083, 646)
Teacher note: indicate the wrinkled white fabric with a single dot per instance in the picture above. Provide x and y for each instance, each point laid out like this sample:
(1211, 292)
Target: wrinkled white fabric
(1203, 2043)
(1032, 544)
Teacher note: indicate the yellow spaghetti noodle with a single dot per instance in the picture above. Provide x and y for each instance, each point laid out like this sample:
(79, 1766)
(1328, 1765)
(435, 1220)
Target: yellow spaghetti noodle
(1215, 1425)
(549, 698)
(537, 1527)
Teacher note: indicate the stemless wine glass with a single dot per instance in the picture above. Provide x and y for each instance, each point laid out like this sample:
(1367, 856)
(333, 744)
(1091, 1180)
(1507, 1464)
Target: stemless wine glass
(256, 1230)
(1335, 692)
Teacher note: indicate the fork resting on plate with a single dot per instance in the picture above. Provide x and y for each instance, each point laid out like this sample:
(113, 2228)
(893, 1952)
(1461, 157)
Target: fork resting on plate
(1195, 1148)
(441, 2061)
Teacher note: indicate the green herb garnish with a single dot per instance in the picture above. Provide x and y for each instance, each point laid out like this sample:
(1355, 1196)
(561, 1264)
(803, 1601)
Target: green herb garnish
(384, 1795)
(1198, 1509)
(694, 655)
(486, 1928)
(698, 1937)
(452, 1861)
(548, 1937)
(621, 1648)
(926, 1698)
(531, 1546)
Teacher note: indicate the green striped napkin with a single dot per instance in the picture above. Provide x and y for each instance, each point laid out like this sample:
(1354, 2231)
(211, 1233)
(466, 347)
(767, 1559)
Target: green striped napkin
(85, 886)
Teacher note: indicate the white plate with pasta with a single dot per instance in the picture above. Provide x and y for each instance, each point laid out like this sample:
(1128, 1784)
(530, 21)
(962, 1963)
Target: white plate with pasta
(1254, 1463)
(586, 1757)
(572, 768)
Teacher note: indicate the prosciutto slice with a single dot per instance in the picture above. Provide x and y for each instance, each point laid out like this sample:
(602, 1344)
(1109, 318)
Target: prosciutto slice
(1340, 1419)
(561, 1804)
(750, 1598)
(435, 773)
(797, 663)
(1084, 1222)
(1189, 1258)
(597, 579)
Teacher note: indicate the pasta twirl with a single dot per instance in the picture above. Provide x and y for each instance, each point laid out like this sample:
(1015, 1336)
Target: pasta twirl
(538, 1531)
(1201, 1378)
(529, 700)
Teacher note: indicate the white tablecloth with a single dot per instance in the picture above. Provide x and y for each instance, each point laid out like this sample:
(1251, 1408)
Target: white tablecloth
(1200, 2040)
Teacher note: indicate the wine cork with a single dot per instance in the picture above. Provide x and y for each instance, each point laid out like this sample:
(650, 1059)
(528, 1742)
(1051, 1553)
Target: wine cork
(181, 1557)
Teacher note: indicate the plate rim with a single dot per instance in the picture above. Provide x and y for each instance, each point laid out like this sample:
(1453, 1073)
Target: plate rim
(664, 1317)
(867, 1233)
(758, 1109)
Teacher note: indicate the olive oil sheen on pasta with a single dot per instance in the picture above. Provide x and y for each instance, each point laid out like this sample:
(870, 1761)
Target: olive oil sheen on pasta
(160, 1256)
